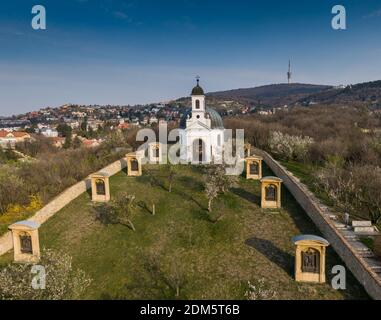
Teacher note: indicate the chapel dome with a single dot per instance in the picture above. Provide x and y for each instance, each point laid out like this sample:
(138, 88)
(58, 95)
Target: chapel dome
(215, 118)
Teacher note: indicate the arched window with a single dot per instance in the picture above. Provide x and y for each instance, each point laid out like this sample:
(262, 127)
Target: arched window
(134, 165)
(197, 104)
(26, 243)
(254, 168)
(100, 185)
(270, 193)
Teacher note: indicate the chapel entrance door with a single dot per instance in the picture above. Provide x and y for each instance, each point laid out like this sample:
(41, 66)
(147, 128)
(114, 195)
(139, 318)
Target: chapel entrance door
(198, 150)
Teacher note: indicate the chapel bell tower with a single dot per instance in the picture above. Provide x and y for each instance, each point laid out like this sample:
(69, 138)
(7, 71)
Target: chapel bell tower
(198, 99)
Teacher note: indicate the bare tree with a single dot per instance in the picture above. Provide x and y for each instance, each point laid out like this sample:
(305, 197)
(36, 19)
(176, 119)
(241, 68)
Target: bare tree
(223, 181)
(119, 210)
(171, 176)
(355, 189)
(171, 274)
(211, 191)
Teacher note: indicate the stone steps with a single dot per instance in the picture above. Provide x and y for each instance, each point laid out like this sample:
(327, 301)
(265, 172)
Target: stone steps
(364, 229)
(361, 223)
(374, 264)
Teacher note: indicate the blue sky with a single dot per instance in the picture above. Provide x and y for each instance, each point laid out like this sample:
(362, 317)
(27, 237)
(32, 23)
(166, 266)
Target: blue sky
(139, 51)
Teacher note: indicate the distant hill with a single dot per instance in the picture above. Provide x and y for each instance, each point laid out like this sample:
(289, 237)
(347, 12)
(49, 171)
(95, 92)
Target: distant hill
(271, 95)
(367, 92)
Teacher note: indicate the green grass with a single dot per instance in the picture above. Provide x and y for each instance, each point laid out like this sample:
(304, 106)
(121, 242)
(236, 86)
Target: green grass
(368, 241)
(211, 260)
(305, 173)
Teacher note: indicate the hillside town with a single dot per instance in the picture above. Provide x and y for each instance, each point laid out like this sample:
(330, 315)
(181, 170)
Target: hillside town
(92, 118)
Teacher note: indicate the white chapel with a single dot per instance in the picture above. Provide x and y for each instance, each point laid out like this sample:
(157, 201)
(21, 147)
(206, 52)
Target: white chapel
(201, 131)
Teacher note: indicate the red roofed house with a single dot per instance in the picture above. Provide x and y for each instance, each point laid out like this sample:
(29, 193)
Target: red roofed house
(90, 143)
(9, 139)
(123, 126)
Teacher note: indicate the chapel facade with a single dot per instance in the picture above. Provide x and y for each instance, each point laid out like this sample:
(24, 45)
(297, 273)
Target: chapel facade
(201, 131)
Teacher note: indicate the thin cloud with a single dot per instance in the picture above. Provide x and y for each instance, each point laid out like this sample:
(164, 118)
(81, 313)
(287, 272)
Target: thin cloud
(374, 14)
(121, 15)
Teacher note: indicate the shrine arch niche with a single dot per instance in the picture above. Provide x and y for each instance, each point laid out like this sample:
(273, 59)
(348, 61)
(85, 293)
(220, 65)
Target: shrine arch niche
(26, 246)
(100, 187)
(134, 163)
(271, 192)
(310, 258)
(253, 167)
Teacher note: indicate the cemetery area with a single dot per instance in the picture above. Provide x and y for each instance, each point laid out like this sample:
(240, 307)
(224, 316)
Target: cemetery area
(179, 250)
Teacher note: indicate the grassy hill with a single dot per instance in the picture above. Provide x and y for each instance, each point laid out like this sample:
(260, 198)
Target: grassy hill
(180, 245)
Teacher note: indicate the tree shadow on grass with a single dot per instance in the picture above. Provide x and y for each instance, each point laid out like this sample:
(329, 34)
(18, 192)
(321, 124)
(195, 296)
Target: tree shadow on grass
(187, 196)
(251, 197)
(154, 281)
(102, 214)
(202, 214)
(273, 253)
(190, 183)
(152, 181)
(144, 206)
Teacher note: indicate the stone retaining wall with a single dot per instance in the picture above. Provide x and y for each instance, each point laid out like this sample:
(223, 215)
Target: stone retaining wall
(356, 264)
(60, 202)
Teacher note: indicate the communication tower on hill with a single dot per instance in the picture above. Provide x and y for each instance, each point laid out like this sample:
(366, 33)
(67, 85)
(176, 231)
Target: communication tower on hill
(289, 73)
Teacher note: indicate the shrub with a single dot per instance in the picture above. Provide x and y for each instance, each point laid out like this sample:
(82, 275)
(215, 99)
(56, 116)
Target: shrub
(259, 290)
(12, 189)
(289, 147)
(355, 189)
(62, 280)
(52, 173)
